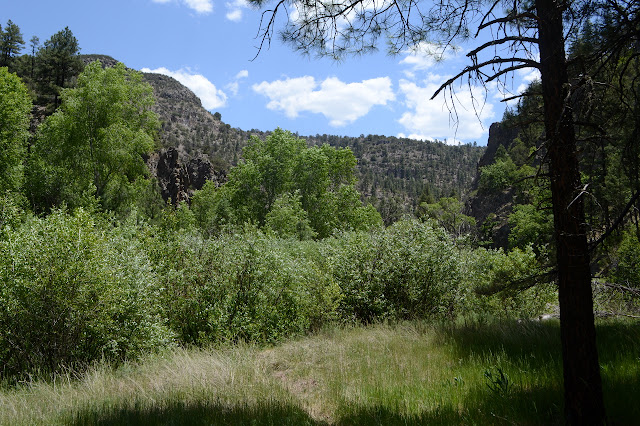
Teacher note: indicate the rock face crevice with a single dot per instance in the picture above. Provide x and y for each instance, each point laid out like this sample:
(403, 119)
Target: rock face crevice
(178, 176)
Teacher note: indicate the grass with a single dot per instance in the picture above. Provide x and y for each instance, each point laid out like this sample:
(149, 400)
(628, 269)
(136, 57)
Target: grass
(499, 373)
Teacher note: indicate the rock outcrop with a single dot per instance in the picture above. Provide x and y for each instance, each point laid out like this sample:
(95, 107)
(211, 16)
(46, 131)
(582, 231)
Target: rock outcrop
(491, 211)
(179, 176)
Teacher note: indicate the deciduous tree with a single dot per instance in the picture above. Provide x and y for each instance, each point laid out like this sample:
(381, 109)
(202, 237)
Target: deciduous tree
(15, 110)
(94, 143)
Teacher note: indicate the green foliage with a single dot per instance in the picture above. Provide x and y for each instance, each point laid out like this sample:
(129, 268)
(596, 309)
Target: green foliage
(279, 168)
(243, 287)
(11, 43)
(498, 382)
(498, 175)
(505, 284)
(530, 226)
(448, 214)
(15, 112)
(287, 218)
(409, 270)
(58, 62)
(93, 145)
(627, 261)
(212, 209)
(74, 291)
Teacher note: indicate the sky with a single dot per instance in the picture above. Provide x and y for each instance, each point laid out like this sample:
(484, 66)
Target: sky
(210, 46)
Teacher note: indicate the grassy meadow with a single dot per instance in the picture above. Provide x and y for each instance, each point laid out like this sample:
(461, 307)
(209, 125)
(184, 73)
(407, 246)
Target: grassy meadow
(504, 372)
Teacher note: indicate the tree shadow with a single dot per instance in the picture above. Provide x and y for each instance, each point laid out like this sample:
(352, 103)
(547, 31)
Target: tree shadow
(533, 406)
(196, 413)
(535, 346)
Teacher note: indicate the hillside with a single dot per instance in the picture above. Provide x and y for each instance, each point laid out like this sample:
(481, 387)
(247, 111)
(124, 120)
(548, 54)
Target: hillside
(392, 172)
(196, 145)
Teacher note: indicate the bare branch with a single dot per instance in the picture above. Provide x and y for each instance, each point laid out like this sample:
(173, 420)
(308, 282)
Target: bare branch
(506, 70)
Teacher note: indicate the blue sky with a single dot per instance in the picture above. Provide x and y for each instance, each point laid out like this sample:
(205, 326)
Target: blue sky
(210, 45)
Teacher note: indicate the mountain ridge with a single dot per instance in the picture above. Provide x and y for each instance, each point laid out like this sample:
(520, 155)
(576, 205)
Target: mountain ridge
(392, 172)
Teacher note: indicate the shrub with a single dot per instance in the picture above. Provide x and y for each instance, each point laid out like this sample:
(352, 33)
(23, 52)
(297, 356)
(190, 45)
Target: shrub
(72, 292)
(406, 271)
(505, 284)
(243, 286)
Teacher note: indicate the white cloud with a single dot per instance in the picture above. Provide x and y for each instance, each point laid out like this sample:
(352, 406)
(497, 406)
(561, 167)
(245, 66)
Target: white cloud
(234, 86)
(432, 119)
(200, 6)
(235, 9)
(242, 74)
(342, 103)
(210, 96)
(424, 56)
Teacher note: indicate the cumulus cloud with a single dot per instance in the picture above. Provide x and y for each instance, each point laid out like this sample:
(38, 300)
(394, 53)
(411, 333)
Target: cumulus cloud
(342, 103)
(235, 9)
(425, 55)
(210, 96)
(200, 6)
(432, 119)
(234, 86)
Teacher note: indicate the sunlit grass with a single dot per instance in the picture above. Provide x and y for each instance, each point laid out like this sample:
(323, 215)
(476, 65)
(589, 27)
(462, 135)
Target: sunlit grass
(412, 373)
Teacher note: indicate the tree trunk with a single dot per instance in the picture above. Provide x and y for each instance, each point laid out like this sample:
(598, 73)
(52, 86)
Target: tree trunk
(582, 384)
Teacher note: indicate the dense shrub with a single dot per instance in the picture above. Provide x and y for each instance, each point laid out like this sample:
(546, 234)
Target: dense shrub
(505, 284)
(409, 270)
(243, 287)
(72, 292)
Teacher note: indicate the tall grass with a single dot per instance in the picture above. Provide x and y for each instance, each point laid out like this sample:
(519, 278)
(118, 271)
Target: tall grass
(409, 373)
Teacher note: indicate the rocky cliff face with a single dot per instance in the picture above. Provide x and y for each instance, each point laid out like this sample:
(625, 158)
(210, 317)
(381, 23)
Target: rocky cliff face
(499, 135)
(491, 211)
(391, 171)
(190, 127)
(179, 175)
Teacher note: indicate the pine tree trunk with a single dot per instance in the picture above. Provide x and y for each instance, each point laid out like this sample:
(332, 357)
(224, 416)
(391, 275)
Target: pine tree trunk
(582, 384)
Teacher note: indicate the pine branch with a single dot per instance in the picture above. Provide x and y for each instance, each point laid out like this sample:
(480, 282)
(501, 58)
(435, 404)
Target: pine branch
(474, 52)
(526, 63)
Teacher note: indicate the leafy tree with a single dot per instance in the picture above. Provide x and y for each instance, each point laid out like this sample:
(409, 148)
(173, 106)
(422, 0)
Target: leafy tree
(498, 175)
(93, 145)
(346, 27)
(276, 172)
(287, 218)
(448, 213)
(11, 43)
(15, 111)
(529, 226)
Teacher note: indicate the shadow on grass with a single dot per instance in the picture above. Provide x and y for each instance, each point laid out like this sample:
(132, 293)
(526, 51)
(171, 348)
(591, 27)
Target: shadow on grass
(511, 340)
(198, 413)
(531, 407)
(534, 348)
(489, 411)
